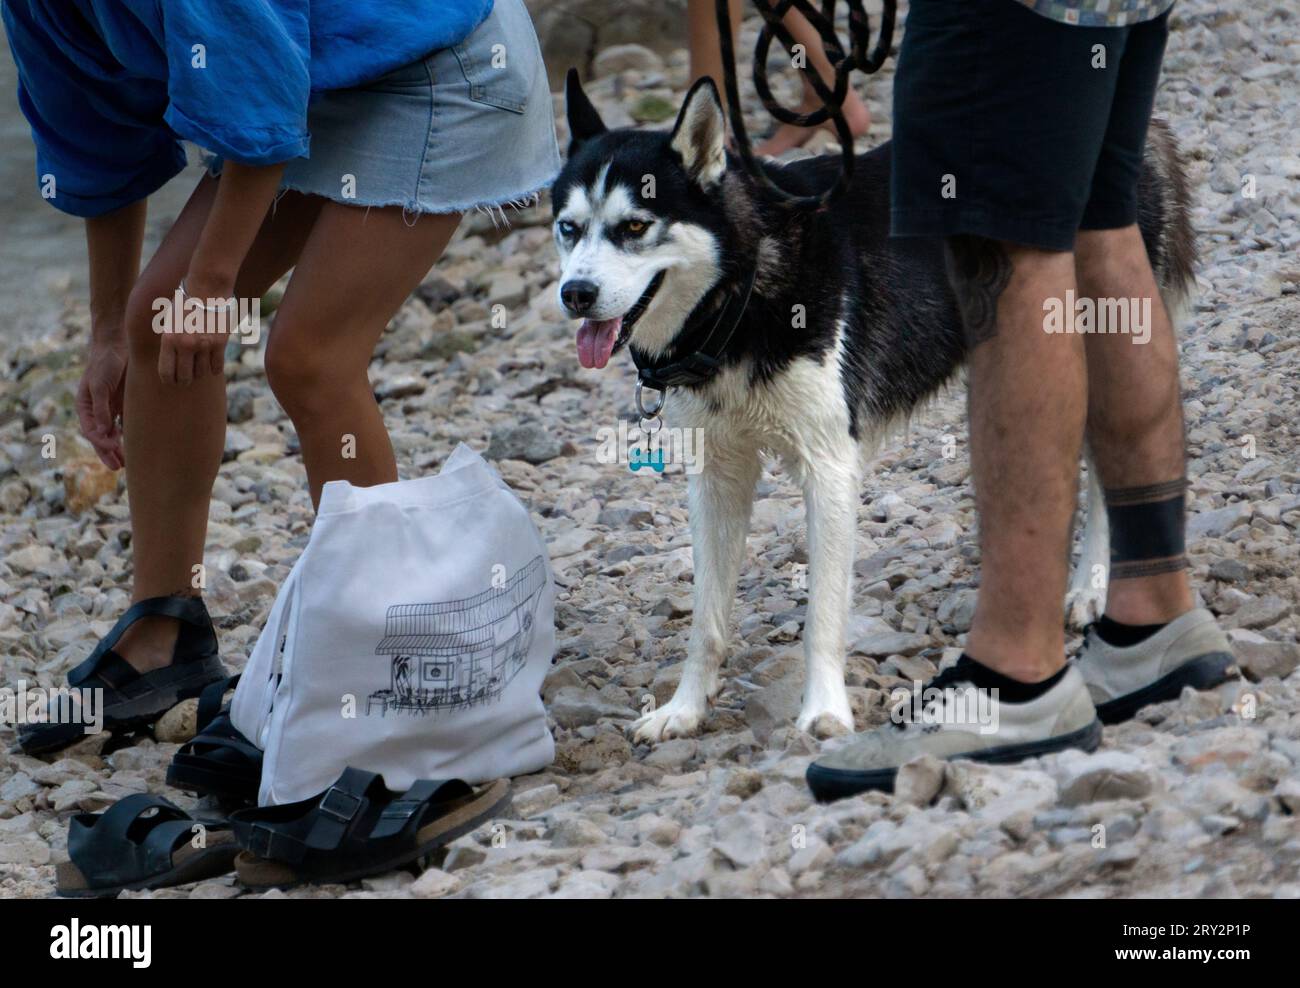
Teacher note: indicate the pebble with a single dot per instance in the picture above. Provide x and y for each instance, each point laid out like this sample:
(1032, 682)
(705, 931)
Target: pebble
(578, 706)
(178, 724)
(884, 643)
(434, 883)
(532, 443)
(1105, 775)
(919, 781)
(576, 832)
(774, 706)
(1261, 612)
(533, 802)
(1262, 660)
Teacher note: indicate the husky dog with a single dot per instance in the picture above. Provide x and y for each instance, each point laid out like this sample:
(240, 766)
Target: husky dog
(840, 332)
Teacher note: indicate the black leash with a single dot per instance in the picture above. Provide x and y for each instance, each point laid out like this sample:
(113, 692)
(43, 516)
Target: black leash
(832, 100)
(703, 362)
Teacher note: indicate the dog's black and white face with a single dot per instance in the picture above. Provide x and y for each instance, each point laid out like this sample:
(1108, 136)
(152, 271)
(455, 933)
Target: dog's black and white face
(639, 224)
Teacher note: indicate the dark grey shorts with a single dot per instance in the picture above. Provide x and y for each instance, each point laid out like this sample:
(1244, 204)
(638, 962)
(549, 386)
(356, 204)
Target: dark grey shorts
(1016, 127)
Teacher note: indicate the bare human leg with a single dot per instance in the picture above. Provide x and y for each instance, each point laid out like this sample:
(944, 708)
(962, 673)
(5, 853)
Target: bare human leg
(357, 268)
(702, 38)
(1028, 395)
(1135, 421)
(174, 434)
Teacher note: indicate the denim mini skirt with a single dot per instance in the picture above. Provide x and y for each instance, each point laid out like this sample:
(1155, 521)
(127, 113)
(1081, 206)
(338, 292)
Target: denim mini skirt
(466, 127)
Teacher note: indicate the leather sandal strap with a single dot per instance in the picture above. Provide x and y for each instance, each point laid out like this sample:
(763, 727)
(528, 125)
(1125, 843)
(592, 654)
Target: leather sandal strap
(210, 701)
(339, 806)
(190, 610)
(321, 824)
(271, 841)
(114, 822)
(221, 733)
(111, 669)
(155, 853)
(117, 846)
(404, 812)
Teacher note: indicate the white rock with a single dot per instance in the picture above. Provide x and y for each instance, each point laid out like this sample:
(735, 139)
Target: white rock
(434, 884)
(919, 781)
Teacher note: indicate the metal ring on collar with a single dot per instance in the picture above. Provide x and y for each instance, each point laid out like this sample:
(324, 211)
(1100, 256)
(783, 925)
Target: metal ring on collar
(649, 413)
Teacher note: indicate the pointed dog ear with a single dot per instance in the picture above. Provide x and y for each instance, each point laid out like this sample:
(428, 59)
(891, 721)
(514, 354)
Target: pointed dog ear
(584, 121)
(700, 134)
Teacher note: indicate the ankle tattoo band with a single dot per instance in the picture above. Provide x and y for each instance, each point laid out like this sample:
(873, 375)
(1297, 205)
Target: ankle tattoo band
(1147, 529)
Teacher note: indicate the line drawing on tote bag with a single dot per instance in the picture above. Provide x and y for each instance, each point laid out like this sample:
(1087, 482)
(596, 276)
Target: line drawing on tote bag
(459, 653)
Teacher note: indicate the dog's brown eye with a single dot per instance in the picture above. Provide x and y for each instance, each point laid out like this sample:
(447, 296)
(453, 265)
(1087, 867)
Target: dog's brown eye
(636, 227)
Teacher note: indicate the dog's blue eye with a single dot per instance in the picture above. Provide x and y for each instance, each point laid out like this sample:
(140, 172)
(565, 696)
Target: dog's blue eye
(568, 229)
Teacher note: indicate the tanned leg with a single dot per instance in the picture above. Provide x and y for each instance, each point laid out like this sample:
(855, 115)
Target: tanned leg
(356, 270)
(1135, 416)
(174, 434)
(1028, 396)
(702, 39)
(706, 59)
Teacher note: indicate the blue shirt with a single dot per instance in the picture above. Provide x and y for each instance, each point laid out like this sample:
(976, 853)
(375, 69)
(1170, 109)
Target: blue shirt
(111, 87)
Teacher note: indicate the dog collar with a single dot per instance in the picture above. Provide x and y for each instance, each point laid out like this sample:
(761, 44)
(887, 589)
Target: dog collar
(702, 363)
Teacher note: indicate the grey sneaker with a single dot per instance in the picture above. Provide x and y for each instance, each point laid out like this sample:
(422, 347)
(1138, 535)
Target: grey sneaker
(1063, 717)
(1189, 651)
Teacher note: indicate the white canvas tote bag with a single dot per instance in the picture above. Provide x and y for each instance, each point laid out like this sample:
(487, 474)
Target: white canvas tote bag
(410, 639)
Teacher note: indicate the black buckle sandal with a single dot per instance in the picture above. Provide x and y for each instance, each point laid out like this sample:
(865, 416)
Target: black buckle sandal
(131, 699)
(357, 828)
(141, 842)
(218, 761)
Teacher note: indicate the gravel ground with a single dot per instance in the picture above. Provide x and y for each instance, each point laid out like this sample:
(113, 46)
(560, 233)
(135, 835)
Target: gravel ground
(1199, 797)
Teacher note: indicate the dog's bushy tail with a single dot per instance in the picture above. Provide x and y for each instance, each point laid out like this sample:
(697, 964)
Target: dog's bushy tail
(1164, 215)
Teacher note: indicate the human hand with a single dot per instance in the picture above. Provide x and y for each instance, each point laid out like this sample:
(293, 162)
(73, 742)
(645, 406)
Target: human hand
(198, 321)
(99, 400)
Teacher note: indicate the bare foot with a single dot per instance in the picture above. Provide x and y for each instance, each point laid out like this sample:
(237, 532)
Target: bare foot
(789, 136)
(149, 643)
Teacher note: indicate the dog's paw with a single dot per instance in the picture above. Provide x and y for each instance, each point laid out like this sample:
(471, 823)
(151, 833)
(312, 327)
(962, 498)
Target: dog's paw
(1083, 605)
(825, 711)
(826, 726)
(828, 720)
(673, 720)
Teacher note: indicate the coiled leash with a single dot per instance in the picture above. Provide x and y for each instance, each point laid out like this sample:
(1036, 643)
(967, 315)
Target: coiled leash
(832, 100)
(703, 361)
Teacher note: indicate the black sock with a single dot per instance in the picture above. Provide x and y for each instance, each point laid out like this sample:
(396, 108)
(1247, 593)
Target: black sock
(1122, 635)
(1009, 690)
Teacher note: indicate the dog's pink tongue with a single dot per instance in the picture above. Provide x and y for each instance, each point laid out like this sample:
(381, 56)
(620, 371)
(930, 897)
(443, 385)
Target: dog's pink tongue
(596, 340)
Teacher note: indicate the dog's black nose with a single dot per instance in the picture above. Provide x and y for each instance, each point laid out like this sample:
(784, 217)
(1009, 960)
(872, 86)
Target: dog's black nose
(579, 296)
